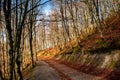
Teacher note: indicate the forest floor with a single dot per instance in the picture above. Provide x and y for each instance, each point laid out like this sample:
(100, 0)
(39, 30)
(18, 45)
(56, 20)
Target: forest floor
(51, 70)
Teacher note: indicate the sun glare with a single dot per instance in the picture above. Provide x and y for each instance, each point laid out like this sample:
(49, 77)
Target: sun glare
(47, 12)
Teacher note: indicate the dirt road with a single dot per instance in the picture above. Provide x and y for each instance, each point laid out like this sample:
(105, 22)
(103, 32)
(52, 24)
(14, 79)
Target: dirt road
(42, 72)
(51, 70)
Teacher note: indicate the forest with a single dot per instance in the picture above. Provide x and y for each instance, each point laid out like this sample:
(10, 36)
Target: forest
(83, 35)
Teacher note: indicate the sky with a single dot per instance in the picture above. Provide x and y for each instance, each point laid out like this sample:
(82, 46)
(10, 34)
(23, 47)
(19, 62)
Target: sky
(46, 8)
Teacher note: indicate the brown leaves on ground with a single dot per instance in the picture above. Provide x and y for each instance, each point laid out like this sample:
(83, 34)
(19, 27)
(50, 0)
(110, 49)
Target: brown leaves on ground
(111, 33)
(107, 74)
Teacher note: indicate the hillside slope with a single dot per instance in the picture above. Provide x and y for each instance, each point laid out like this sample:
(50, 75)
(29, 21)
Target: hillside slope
(97, 56)
(111, 36)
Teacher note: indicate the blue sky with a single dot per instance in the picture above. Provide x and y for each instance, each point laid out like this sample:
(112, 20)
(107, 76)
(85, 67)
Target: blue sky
(46, 8)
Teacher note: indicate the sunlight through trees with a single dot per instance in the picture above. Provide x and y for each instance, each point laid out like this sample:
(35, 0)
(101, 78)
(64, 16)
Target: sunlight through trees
(27, 27)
